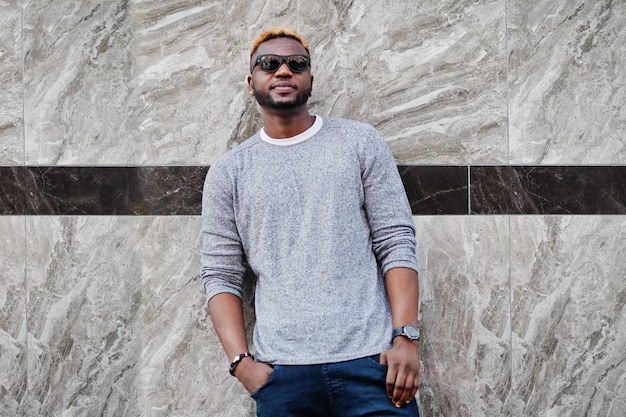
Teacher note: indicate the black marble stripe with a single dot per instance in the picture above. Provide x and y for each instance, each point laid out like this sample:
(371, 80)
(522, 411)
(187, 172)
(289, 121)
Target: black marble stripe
(436, 189)
(548, 189)
(101, 190)
(432, 190)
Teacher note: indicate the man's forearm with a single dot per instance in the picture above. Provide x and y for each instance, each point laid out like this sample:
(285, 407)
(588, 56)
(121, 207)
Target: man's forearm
(403, 371)
(226, 312)
(227, 315)
(402, 287)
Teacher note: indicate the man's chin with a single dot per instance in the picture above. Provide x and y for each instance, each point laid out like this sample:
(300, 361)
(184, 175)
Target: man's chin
(282, 104)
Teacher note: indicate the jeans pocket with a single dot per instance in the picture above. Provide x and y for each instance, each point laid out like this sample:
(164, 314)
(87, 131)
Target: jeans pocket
(375, 360)
(272, 377)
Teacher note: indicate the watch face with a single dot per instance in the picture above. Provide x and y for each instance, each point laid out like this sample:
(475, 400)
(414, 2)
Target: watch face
(412, 332)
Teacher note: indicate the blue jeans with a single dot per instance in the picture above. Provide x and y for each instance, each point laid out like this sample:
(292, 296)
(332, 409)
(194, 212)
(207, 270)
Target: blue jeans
(353, 388)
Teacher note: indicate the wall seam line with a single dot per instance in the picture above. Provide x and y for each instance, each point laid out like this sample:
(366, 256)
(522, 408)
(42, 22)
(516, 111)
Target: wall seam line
(26, 331)
(24, 228)
(510, 237)
(469, 190)
(508, 81)
(511, 358)
(23, 87)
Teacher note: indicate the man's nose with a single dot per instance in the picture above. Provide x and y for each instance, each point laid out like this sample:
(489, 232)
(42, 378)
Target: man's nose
(284, 70)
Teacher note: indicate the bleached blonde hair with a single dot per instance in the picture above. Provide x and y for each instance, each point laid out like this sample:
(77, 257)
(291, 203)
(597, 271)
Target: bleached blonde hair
(278, 32)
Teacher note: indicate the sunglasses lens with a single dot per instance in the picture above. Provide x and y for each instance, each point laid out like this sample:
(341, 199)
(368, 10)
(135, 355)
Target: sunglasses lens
(271, 63)
(298, 63)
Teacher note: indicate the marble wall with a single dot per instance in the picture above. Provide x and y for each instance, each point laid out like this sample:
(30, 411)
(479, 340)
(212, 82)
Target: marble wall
(507, 118)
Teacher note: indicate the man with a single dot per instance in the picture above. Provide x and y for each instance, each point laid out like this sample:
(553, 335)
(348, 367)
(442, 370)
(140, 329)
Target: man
(316, 208)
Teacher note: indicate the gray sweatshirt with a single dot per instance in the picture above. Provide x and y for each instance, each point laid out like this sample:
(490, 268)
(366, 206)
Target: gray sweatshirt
(319, 220)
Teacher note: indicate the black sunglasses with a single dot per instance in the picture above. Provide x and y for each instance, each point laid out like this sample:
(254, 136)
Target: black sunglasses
(271, 63)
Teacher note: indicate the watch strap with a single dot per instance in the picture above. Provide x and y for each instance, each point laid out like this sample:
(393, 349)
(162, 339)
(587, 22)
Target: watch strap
(401, 331)
(397, 332)
(237, 359)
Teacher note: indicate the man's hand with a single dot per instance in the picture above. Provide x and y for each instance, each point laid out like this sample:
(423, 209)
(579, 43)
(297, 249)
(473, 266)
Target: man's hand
(403, 374)
(253, 375)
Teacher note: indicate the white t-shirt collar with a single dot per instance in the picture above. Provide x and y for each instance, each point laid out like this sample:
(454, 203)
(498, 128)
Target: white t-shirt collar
(317, 125)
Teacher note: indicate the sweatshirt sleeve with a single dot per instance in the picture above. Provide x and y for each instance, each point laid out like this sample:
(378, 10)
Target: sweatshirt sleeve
(387, 207)
(222, 254)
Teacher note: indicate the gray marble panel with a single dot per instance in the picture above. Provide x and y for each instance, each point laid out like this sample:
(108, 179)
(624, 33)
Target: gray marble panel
(569, 316)
(567, 82)
(142, 82)
(117, 321)
(183, 369)
(77, 75)
(191, 103)
(464, 315)
(12, 317)
(431, 75)
(162, 82)
(11, 95)
(84, 329)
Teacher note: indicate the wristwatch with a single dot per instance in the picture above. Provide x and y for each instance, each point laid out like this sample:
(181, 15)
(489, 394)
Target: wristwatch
(238, 359)
(409, 331)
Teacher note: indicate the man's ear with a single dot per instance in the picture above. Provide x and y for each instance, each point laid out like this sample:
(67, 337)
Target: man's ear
(250, 84)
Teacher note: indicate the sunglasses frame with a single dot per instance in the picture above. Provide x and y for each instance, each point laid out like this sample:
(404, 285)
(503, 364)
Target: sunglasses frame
(284, 59)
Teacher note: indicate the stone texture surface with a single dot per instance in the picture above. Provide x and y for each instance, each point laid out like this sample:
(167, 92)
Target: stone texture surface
(105, 316)
(84, 333)
(567, 82)
(518, 317)
(163, 82)
(433, 81)
(116, 321)
(141, 82)
(532, 189)
(431, 189)
(464, 315)
(11, 95)
(568, 316)
(12, 317)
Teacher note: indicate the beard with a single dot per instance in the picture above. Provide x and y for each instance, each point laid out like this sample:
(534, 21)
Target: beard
(266, 100)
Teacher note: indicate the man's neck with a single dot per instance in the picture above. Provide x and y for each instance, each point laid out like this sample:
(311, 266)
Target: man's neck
(285, 124)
